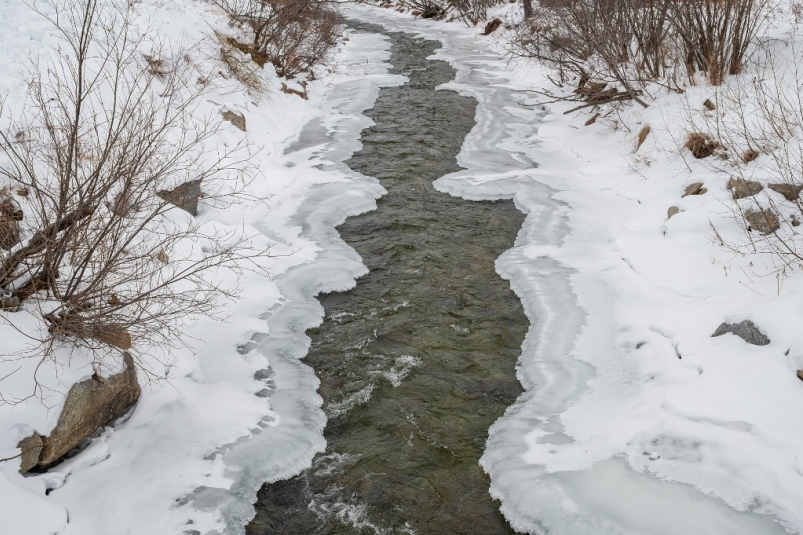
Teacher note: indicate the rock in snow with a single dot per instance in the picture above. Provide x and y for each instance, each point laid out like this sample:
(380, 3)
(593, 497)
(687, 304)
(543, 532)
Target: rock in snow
(89, 406)
(184, 196)
(746, 330)
(764, 221)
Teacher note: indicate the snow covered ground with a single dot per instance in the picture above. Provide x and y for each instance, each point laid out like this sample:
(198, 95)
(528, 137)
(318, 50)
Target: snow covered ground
(634, 420)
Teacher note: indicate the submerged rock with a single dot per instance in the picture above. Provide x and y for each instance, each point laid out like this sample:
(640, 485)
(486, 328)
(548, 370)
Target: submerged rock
(90, 405)
(746, 330)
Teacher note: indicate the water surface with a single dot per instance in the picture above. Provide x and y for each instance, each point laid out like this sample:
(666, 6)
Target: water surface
(419, 359)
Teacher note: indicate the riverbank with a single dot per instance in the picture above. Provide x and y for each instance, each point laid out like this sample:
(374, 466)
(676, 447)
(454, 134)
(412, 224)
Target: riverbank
(633, 412)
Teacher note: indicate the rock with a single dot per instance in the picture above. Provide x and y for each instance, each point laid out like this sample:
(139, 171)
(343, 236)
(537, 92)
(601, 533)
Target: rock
(592, 120)
(749, 155)
(31, 448)
(185, 196)
(415, 12)
(694, 189)
(673, 210)
(790, 191)
(235, 118)
(800, 374)
(9, 303)
(709, 105)
(744, 188)
(290, 91)
(492, 26)
(745, 330)
(764, 221)
(89, 406)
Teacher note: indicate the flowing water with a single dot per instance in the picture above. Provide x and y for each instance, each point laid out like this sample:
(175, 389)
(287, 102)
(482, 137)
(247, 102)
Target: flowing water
(419, 359)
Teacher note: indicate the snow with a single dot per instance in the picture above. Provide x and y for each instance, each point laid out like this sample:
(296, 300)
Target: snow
(634, 419)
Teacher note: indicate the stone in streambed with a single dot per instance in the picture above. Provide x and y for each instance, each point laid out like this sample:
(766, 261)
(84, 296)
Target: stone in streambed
(746, 330)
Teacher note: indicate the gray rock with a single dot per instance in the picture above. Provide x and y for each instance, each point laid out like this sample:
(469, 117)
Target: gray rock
(31, 448)
(764, 221)
(90, 405)
(744, 188)
(673, 210)
(237, 119)
(800, 374)
(745, 330)
(185, 196)
(694, 189)
(789, 191)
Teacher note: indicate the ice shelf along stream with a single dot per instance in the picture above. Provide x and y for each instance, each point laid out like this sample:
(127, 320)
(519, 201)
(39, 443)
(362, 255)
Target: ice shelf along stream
(419, 360)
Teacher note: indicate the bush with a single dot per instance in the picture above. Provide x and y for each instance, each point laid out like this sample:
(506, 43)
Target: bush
(292, 35)
(104, 130)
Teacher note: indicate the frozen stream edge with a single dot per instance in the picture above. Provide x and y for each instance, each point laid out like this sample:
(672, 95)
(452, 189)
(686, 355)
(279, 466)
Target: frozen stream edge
(499, 156)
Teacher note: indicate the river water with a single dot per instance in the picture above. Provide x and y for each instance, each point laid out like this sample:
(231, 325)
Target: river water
(419, 359)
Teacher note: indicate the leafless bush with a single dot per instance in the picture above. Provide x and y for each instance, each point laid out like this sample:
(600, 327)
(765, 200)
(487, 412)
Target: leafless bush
(293, 35)
(472, 11)
(631, 44)
(103, 130)
(714, 36)
(428, 9)
(240, 65)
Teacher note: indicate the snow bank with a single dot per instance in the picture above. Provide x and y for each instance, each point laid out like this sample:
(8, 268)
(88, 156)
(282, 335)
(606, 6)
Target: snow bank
(634, 419)
(237, 407)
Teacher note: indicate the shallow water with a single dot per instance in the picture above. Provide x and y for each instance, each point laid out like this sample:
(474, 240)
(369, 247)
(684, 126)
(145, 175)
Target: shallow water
(419, 359)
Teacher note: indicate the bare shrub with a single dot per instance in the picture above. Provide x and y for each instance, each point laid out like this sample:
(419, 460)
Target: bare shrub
(715, 35)
(617, 42)
(293, 35)
(103, 130)
(429, 9)
(472, 11)
(240, 65)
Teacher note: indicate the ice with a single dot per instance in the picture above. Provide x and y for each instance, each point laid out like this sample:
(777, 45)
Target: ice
(614, 433)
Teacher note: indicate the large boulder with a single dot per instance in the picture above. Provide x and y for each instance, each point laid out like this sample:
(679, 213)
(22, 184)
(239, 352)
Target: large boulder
(746, 330)
(184, 196)
(90, 405)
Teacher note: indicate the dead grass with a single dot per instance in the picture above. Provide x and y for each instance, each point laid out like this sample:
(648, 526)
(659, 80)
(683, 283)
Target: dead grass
(642, 135)
(701, 145)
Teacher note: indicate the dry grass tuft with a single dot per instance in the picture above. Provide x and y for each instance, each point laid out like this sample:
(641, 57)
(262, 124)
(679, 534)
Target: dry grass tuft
(642, 135)
(749, 155)
(243, 68)
(701, 145)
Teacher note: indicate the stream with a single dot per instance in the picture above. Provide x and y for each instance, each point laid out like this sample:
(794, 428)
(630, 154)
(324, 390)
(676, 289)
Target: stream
(419, 359)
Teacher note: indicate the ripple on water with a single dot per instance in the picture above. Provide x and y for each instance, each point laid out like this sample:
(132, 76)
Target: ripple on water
(419, 359)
